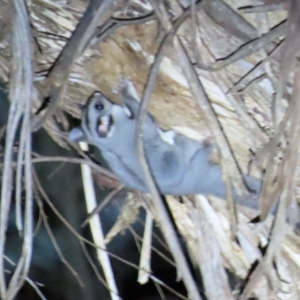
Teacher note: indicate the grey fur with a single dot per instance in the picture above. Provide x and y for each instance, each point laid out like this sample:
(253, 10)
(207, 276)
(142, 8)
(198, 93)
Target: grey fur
(179, 165)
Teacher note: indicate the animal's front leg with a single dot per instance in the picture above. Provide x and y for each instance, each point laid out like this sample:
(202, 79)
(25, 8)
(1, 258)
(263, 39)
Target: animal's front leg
(126, 169)
(128, 95)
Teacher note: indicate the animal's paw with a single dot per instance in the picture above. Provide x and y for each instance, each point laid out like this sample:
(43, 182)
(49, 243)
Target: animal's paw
(125, 87)
(120, 85)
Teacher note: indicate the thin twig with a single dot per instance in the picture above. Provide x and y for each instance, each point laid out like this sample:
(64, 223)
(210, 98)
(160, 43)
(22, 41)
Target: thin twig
(264, 8)
(68, 225)
(246, 49)
(99, 207)
(212, 120)
(163, 217)
(290, 49)
(157, 238)
(96, 227)
(114, 23)
(226, 17)
(52, 237)
(289, 176)
(33, 284)
(84, 240)
(145, 257)
(36, 288)
(168, 288)
(154, 249)
(19, 176)
(210, 116)
(93, 265)
(73, 160)
(20, 95)
(209, 255)
(58, 77)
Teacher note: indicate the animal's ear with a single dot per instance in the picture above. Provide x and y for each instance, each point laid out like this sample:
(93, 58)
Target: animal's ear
(76, 135)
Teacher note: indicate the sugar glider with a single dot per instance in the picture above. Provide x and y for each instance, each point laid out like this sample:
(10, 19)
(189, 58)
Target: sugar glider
(179, 165)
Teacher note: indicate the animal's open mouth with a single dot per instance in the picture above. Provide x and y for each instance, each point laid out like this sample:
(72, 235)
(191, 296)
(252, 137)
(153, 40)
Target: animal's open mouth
(104, 125)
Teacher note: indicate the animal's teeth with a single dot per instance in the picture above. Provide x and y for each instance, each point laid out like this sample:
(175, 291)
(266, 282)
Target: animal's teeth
(104, 125)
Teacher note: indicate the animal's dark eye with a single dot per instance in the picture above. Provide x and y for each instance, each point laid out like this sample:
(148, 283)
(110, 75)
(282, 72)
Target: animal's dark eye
(99, 106)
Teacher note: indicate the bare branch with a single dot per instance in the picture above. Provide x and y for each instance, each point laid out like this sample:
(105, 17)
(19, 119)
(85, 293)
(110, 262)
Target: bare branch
(58, 77)
(20, 94)
(163, 217)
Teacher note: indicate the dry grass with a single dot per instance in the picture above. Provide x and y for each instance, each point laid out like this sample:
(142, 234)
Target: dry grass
(205, 80)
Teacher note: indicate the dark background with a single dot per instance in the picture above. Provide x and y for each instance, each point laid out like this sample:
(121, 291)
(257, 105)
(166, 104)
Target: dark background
(62, 183)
